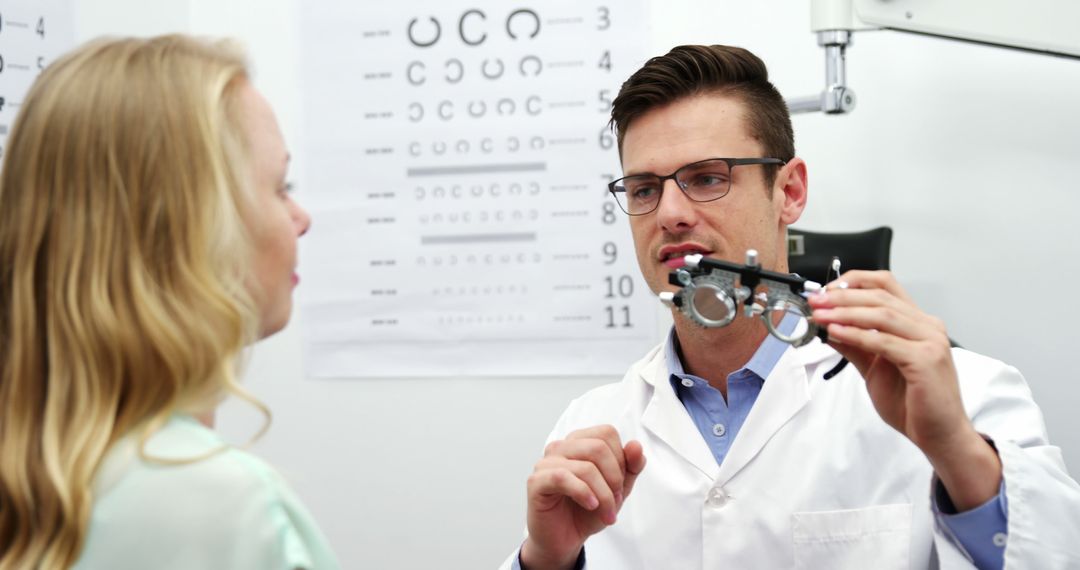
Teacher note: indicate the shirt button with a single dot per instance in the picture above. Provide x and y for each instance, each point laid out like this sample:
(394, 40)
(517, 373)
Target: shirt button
(999, 539)
(719, 430)
(688, 382)
(717, 498)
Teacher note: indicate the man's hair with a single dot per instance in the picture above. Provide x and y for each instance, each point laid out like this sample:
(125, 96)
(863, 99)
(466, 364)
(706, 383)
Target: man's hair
(687, 71)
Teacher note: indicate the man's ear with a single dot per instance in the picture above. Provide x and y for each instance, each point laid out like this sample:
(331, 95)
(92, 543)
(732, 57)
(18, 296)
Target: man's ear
(790, 189)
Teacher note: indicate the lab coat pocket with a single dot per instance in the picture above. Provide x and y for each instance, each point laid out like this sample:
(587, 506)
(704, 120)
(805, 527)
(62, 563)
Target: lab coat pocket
(875, 537)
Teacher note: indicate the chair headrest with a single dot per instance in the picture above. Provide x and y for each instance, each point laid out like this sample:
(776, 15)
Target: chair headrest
(810, 253)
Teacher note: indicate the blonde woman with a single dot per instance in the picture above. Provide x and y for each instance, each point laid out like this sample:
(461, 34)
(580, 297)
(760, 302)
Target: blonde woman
(146, 239)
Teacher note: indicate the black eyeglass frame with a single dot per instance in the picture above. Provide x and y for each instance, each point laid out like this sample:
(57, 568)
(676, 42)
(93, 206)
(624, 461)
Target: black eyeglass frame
(731, 162)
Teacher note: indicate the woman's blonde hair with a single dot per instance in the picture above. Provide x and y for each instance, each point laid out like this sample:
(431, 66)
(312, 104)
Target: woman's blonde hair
(123, 261)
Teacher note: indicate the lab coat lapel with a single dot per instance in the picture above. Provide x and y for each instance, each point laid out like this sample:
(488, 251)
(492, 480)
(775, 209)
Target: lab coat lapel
(784, 393)
(667, 419)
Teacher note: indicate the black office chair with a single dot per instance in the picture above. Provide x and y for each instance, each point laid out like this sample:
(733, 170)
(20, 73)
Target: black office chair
(810, 253)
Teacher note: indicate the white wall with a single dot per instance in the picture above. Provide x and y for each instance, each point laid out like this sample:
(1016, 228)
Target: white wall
(967, 152)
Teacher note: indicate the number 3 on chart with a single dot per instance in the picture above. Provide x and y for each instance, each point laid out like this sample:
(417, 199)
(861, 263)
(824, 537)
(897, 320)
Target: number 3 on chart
(604, 18)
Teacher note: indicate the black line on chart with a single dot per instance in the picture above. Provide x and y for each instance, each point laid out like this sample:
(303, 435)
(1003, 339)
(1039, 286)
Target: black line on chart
(476, 169)
(375, 34)
(477, 238)
(569, 187)
(570, 214)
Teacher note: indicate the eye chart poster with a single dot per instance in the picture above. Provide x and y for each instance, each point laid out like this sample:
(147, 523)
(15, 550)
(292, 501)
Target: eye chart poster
(457, 156)
(32, 34)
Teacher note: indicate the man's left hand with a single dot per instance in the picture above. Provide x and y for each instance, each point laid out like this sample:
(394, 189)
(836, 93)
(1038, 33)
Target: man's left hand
(905, 358)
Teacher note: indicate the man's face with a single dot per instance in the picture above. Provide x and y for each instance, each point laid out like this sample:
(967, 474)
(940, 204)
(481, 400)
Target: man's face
(750, 216)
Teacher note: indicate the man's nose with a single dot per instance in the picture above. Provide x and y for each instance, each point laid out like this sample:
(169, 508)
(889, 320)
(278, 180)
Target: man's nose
(676, 212)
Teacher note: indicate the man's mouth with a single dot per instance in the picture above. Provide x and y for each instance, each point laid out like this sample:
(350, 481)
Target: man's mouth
(673, 255)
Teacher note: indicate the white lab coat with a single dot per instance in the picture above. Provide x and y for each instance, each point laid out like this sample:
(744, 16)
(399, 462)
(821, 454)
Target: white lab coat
(815, 478)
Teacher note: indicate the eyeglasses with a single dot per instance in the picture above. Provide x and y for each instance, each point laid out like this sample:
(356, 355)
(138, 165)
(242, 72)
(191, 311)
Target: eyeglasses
(701, 181)
(711, 291)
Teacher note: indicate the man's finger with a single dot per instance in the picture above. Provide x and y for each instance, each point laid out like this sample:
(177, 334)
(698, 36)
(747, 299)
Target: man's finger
(881, 319)
(608, 434)
(859, 358)
(635, 464)
(861, 298)
(862, 279)
(594, 451)
(548, 486)
(896, 350)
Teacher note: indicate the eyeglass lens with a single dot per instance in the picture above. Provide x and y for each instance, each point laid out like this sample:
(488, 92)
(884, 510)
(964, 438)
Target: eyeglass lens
(701, 181)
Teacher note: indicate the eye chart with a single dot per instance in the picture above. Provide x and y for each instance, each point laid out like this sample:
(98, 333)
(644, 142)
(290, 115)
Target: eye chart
(457, 156)
(32, 34)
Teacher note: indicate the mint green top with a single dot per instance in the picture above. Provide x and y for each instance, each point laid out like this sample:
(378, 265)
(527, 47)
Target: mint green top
(229, 511)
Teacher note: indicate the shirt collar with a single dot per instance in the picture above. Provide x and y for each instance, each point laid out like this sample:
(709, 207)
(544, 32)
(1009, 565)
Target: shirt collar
(761, 363)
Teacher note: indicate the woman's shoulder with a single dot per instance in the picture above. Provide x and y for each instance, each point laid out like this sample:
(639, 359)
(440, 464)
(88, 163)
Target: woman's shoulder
(181, 455)
(190, 492)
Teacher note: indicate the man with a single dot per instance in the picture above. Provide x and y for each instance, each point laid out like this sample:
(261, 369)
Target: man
(914, 456)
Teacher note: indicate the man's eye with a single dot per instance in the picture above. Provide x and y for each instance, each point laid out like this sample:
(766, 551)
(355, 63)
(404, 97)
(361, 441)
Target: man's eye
(706, 180)
(641, 192)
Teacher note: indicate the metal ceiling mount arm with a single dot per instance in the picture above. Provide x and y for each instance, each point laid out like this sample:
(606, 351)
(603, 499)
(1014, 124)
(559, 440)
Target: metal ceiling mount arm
(837, 96)
(1046, 27)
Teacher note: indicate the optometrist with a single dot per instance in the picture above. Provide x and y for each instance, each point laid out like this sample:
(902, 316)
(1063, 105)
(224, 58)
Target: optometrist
(725, 447)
